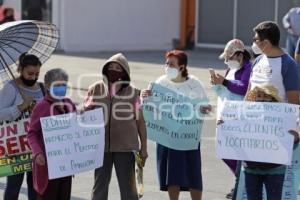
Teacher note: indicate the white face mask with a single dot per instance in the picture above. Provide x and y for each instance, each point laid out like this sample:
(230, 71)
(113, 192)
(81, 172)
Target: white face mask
(171, 72)
(233, 64)
(256, 49)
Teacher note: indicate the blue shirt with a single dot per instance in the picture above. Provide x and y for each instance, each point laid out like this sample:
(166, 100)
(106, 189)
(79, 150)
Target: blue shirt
(297, 51)
(292, 20)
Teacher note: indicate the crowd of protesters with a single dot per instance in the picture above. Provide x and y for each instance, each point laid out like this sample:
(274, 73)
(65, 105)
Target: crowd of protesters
(273, 76)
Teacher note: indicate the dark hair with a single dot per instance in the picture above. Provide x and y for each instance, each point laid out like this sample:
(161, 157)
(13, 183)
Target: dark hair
(28, 59)
(182, 59)
(6, 10)
(246, 55)
(268, 30)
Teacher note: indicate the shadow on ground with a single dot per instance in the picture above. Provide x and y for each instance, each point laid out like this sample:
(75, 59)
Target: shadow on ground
(24, 191)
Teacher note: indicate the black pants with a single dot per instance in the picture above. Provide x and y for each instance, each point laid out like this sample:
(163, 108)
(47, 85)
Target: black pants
(124, 163)
(57, 189)
(272, 182)
(237, 178)
(14, 184)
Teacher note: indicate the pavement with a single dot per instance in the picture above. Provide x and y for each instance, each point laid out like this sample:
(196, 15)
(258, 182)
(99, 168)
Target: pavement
(85, 68)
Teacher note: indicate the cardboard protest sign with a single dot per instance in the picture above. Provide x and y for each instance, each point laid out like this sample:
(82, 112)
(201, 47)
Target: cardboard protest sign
(15, 153)
(254, 131)
(168, 114)
(259, 132)
(74, 143)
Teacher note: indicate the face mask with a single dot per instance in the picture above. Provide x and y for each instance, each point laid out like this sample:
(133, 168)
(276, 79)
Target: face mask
(28, 82)
(10, 18)
(114, 76)
(58, 92)
(171, 72)
(233, 64)
(256, 49)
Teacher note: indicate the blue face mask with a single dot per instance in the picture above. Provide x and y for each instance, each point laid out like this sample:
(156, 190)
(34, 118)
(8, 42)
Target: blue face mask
(58, 92)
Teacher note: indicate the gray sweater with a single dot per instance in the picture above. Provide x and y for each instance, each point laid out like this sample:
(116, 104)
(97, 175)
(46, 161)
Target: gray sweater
(10, 98)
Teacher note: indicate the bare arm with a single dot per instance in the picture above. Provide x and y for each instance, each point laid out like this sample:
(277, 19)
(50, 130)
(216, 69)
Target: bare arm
(297, 58)
(293, 96)
(286, 21)
(248, 89)
(141, 125)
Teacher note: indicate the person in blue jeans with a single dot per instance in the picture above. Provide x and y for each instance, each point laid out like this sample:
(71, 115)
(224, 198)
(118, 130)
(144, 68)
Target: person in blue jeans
(258, 174)
(291, 22)
(297, 52)
(13, 105)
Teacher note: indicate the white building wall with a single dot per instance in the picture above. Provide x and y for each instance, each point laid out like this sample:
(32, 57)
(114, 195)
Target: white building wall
(16, 5)
(107, 25)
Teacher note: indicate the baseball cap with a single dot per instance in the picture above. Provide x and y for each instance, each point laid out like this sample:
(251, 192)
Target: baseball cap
(231, 48)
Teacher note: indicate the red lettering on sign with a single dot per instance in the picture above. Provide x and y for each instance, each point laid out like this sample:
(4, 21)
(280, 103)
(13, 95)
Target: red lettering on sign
(2, 148)
(26, 126)
(24, 143)
(13, 130)
(11, 144)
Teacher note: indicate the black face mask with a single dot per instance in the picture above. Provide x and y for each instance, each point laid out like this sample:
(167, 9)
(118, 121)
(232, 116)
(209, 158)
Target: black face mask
(28, 82)
(10, 18)
(114, 76)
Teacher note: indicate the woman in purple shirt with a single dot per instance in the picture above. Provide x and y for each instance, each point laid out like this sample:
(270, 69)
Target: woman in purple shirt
(237, 75)
(235, 82)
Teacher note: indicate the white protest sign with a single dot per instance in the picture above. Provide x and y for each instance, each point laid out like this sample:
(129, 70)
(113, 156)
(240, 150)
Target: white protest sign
(256, 131)
(74, 143)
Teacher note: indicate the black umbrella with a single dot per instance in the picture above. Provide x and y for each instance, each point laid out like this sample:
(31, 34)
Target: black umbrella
(34, 37)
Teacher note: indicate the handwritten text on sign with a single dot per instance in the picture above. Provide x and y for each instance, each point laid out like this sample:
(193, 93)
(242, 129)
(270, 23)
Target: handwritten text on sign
(256, 131)
(74, 143)
(173, 120)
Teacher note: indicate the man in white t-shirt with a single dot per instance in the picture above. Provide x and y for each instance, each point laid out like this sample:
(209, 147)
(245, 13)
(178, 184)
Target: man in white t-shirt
(274, 66)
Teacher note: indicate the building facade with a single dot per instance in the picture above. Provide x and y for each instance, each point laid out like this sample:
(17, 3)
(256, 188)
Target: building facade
(219, 21)
(108, 25)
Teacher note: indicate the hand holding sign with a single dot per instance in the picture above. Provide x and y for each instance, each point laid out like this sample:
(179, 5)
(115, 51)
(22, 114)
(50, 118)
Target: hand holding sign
(40, 159)
(205, 109)
(295, 134)
(27, 102)
(146, 93)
